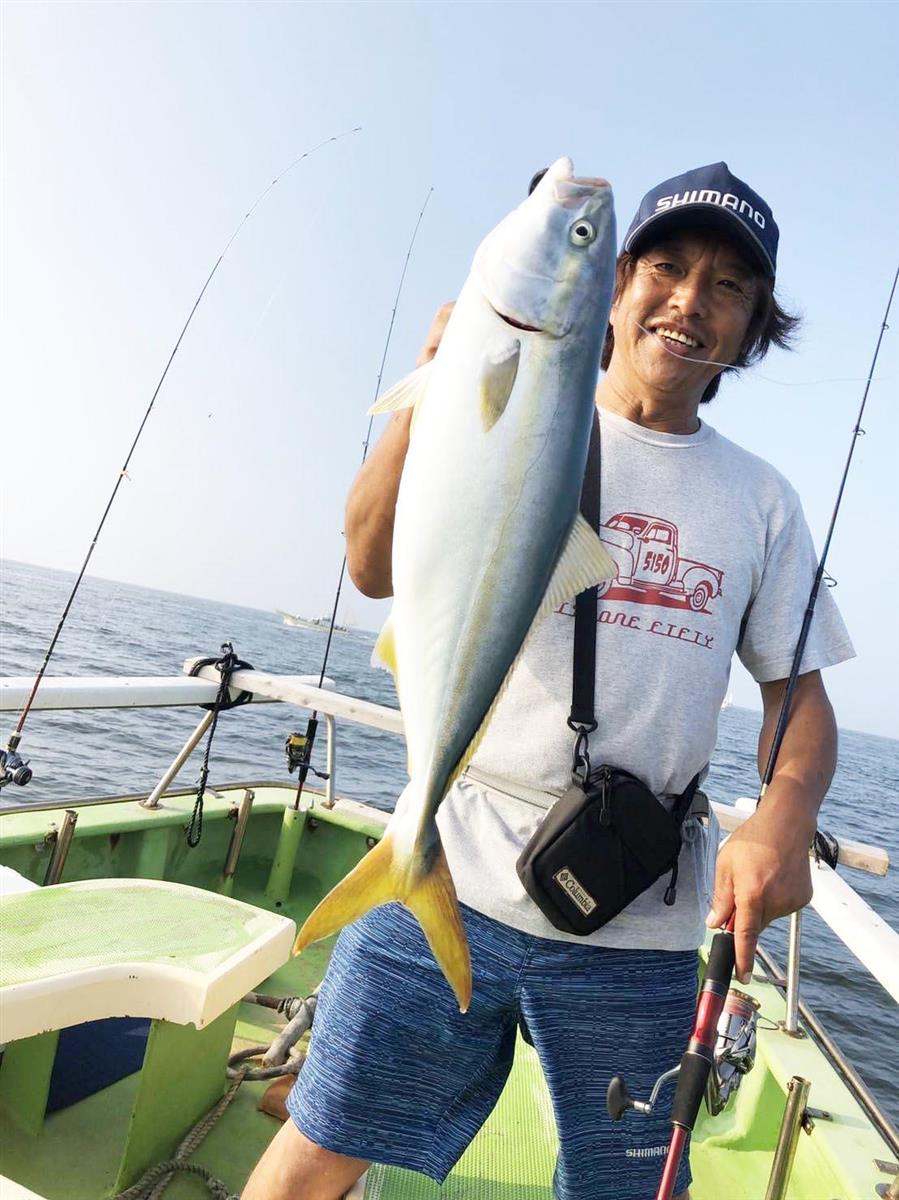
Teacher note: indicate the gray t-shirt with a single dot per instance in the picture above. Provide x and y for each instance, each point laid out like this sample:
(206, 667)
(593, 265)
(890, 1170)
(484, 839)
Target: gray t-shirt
(708, 538)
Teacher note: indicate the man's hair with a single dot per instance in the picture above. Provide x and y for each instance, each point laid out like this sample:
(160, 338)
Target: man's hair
(770, 323)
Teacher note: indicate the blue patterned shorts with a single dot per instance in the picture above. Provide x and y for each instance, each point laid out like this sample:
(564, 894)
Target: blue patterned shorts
(397, 1075)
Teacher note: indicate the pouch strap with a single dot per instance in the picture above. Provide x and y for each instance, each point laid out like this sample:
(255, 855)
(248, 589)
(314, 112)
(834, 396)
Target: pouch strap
(582, 718)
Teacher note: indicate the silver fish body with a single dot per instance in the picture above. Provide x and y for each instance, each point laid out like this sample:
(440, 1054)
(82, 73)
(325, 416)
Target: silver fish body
(487, 534)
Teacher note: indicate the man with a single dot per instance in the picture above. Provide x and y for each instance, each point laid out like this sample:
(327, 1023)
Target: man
(714, 556)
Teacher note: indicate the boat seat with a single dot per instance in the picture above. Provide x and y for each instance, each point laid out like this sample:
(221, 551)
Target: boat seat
(97, 948)
(93, 949)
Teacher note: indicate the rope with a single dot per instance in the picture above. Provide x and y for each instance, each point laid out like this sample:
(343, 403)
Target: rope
(226, 665)
(156, 1179)
(292, 1066)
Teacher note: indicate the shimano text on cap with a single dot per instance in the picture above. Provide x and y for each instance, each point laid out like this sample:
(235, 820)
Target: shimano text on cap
(708, 196)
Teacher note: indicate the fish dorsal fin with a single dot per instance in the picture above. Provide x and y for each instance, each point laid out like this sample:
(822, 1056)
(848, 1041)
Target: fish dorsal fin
(584, 562)
(497, 380)
(404, 394)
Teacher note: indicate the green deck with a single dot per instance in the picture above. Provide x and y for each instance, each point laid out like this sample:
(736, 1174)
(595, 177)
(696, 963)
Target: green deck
(75, 1153)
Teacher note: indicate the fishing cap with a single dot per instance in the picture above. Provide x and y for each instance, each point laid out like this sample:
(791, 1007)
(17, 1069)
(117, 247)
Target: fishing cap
(708, 196)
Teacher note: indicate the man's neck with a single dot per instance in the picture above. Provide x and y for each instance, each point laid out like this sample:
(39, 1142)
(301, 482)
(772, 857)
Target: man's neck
(663, 412)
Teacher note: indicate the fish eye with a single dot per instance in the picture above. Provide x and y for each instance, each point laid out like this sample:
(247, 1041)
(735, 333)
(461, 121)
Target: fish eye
(582, 233)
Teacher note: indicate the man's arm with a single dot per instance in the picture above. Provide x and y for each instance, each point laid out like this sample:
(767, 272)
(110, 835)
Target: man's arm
(763, 869)
(371, 504)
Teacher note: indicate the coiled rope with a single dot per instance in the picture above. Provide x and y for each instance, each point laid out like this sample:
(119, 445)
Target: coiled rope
(226, 665)
(156, 1179)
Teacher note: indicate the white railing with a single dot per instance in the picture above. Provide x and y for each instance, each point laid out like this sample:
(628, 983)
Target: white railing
(873, 942)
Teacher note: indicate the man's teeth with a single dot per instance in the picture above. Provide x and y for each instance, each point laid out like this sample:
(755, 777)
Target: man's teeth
(673, 336)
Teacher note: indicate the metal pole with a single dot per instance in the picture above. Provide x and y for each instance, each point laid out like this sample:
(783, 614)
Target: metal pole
(791, 1024)
(152, 801)
(63, 841)
(331, 757)
(840, 1062)
(785, 1151)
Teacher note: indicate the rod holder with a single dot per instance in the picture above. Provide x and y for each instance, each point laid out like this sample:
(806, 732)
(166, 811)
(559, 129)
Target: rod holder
(330, 761)
(62, 840)
(239, 832)
(293, 823)
(794, 957)
(785, 1150)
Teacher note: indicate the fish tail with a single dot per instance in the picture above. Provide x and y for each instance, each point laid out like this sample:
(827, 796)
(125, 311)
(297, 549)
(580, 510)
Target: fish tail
(382, 876)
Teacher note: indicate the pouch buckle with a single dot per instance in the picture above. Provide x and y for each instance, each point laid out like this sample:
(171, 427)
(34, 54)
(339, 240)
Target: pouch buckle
(580, 767)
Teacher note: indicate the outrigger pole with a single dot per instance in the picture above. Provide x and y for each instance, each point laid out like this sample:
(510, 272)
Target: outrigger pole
(299, 745)
(12, 768)
(699, 1055)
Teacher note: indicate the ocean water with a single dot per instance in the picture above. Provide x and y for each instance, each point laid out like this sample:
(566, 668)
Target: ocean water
(119, 629)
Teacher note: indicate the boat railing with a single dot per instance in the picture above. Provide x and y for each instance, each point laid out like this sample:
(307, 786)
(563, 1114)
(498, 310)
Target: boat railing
(870, 939)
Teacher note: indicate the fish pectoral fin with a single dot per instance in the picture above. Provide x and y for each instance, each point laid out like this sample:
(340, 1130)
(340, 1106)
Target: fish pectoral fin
(497, 380)
(433, 901)
(583, 563)
(405, 394)
(380, 878)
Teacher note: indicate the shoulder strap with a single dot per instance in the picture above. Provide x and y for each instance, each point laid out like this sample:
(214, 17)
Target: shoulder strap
(585, 606)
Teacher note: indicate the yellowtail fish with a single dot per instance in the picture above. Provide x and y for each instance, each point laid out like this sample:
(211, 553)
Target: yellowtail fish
(488, 537)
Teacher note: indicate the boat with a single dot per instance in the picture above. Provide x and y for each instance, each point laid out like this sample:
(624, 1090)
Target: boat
(320, 623)
(145, 987)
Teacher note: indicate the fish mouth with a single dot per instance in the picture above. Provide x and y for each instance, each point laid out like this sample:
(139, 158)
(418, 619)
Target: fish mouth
(517, 324)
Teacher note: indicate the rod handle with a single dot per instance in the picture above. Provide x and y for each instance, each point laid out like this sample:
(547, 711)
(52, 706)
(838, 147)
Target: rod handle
(697, 1060)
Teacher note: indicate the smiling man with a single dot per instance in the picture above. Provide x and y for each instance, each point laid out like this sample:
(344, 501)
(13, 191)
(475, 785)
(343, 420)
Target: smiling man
(714, 558)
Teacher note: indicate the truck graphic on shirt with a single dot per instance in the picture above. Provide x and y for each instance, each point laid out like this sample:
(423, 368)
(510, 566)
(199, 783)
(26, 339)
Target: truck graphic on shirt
(650, 567)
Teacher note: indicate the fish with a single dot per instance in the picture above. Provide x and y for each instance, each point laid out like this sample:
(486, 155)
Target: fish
(488, 536)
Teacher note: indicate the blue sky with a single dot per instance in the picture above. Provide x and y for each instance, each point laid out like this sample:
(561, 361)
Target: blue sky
(135, 136)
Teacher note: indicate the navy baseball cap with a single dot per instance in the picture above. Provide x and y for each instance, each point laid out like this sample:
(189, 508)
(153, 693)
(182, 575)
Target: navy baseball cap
(708, 196)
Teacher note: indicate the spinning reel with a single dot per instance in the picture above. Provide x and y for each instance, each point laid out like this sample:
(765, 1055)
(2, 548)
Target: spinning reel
(732, 1058)
(14, 768)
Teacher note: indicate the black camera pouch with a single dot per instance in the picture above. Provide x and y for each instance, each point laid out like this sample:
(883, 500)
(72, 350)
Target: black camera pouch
(603, 843)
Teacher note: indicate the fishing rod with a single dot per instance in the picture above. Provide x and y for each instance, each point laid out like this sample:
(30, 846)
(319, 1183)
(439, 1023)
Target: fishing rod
(708, 1046)
(299, 745)
(13, 769)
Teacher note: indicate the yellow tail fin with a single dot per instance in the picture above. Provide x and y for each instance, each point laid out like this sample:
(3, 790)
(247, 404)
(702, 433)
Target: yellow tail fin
(378, 879)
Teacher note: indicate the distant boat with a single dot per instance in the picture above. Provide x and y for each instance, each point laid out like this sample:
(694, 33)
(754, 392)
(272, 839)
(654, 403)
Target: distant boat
(728, 701)
(320, 623)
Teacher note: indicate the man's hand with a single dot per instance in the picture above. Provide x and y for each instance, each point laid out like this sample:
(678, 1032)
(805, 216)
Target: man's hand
(763, 873)
(435, 333)
(763, 869)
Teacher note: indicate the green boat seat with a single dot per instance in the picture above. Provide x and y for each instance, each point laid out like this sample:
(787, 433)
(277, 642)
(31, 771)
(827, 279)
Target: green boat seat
(142, 948)
(100, 948)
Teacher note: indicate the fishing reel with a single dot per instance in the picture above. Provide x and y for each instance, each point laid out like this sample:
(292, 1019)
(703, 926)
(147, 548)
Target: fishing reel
(733, 1057)
(14, 768)
(298, 748)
